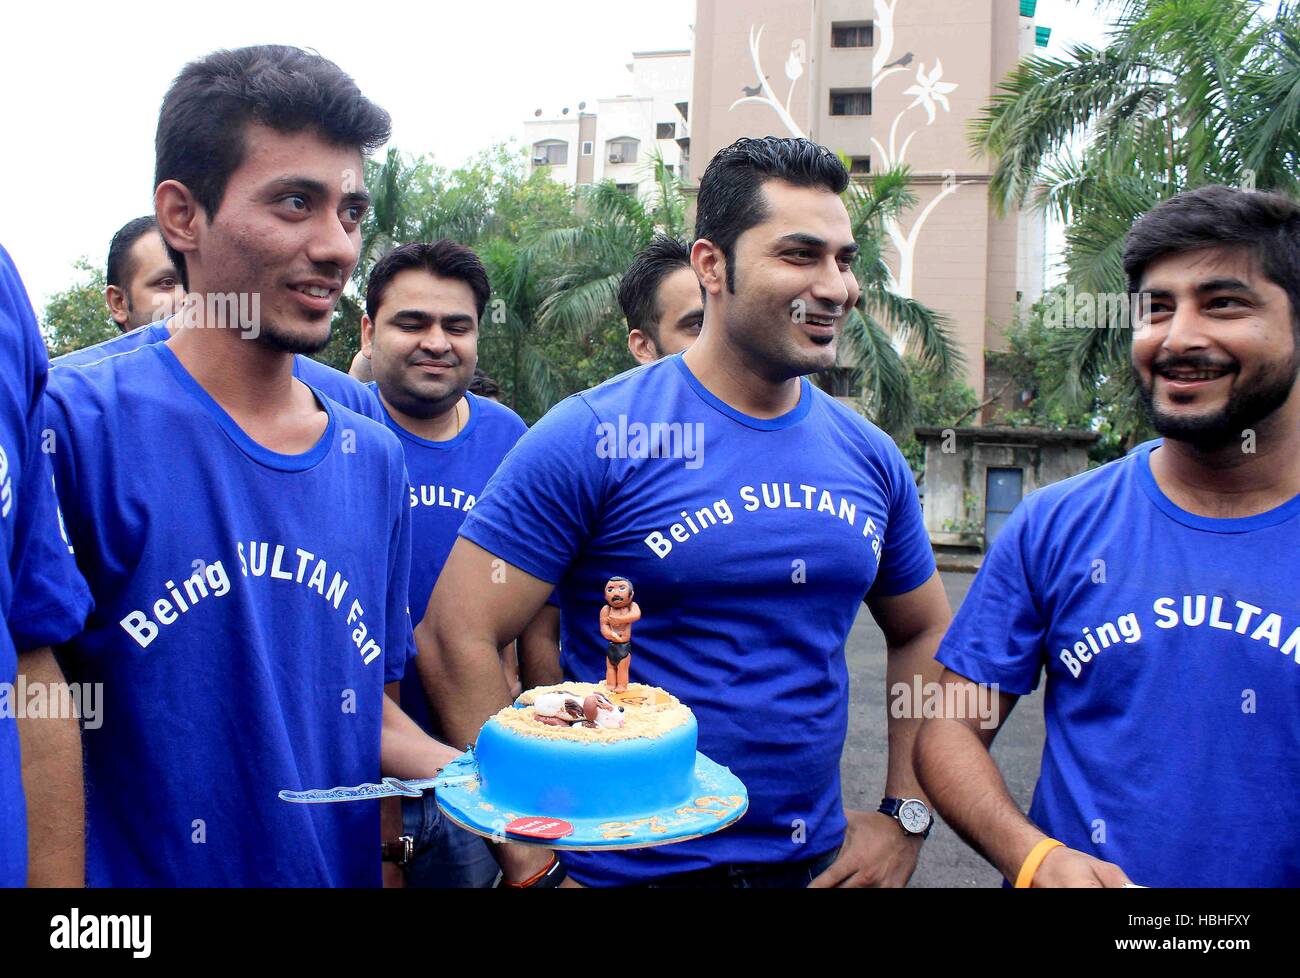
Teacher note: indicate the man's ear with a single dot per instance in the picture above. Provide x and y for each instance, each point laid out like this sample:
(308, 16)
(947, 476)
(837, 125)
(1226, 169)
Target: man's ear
(116, 299)
(642, 347)
(178, 216)
(709, 265)
(367, 336)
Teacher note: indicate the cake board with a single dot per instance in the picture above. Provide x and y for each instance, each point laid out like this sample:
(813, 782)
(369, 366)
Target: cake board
(718, 799)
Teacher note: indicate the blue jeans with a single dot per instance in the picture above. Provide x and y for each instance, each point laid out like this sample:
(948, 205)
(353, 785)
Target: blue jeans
(445, 854)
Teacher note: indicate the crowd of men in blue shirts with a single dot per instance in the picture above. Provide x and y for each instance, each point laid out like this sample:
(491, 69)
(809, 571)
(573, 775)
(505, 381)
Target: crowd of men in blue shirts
(282, 577)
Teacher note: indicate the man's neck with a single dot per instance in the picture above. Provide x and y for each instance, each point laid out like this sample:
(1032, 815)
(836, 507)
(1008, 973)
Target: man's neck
(243, 375)
(443, 426)
(1238, 480)
(728, 376)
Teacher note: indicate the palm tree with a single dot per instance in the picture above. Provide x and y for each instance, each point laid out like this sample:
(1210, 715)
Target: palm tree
(585, 261)
(884, 326)
(1186, 93)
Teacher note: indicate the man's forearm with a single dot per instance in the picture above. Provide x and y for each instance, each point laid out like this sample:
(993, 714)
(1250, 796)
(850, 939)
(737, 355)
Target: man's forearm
(967, 789)
(463, 679)
(903, 665)
(406, 751)
(54, 786)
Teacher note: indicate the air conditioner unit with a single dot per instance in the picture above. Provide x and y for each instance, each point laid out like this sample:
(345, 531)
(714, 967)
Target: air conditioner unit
(616, 157)
(540, 160)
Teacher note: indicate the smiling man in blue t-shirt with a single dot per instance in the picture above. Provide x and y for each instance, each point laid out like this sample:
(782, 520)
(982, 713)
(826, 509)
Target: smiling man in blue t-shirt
(1158, 593)
(246, 539)
(754, 515)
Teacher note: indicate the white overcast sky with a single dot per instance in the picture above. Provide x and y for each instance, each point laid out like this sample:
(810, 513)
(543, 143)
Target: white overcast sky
(83, 82)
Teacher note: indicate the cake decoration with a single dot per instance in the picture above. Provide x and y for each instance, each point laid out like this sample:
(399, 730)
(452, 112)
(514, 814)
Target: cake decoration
(588, 766)
(616, 620)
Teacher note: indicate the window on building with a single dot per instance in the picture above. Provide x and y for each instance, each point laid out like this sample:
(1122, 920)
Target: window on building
(627, 188)
(665, 130)
(586, 147)
(853, 34)
(551, 152)
(859, 164)
(850, 101)
(623, 150)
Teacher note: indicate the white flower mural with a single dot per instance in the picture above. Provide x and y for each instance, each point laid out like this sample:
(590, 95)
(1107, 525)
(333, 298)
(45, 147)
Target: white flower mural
(931, 93)
(928, 89)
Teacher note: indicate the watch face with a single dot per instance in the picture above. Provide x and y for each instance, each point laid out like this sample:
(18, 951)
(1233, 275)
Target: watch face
(914, 816)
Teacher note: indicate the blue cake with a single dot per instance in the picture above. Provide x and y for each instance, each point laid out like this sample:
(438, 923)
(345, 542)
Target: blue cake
(576, 766)
(582, 770)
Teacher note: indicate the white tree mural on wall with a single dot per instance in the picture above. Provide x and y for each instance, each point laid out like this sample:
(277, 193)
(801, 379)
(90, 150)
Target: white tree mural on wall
(931, 93)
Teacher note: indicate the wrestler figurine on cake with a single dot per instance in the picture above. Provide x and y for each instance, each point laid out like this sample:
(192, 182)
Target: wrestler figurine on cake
(616, 620)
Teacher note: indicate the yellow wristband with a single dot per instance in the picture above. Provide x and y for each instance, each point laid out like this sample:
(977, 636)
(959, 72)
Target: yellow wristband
(1033, 861)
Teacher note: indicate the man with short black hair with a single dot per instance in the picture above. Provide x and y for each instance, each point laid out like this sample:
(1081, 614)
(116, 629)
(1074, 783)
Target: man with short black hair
(661, 299)
(420, 336)
(246, 539)
(1156, 592)
(754, 530)
(143, 285)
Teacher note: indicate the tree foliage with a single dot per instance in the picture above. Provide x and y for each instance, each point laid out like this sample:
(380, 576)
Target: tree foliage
(1186, 93)
(78, 316)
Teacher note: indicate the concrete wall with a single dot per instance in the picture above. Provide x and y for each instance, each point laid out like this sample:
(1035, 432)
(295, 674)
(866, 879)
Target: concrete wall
(955, 482)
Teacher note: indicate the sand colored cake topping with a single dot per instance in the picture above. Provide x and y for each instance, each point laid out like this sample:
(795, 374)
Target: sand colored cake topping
(648, 712)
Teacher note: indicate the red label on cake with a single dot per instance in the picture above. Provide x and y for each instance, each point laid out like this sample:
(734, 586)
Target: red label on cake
(535, 827)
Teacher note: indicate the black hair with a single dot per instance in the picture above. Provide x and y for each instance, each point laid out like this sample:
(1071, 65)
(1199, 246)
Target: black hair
(119, 269)
(638, 292)
(731, 197)
(444, 258)
(483, 385)
(1266, 224)
(200, 139)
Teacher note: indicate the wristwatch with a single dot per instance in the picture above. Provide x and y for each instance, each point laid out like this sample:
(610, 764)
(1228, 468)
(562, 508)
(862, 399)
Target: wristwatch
(401, 850)
(912, 814)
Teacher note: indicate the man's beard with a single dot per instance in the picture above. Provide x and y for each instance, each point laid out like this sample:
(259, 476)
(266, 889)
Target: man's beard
(271, 335)
(1245, 408)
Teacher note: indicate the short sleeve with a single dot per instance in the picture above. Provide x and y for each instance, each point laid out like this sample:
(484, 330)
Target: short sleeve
(540, 506)
(51, 600)
(997, 634)
(908, 560)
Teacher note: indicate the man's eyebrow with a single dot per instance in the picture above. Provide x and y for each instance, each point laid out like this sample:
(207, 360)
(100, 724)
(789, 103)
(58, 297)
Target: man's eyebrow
(687, 317)
(812, 241)
(299, 183)
(418, 314)
(1226, 284)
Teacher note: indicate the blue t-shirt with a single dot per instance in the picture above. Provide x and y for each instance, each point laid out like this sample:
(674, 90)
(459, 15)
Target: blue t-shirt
(1171, 644)
(348, 391)
(251, 606)
(750, 550)
(43, 599)
(446, 479)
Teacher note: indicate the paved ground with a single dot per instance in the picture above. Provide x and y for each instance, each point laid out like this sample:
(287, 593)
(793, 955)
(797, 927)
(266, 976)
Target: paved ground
(945, 859)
